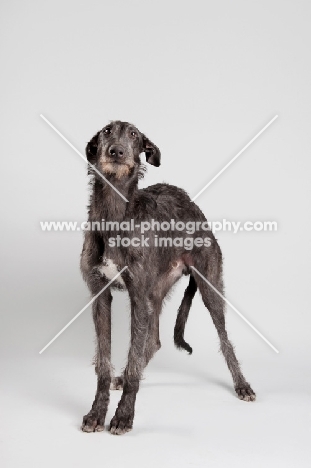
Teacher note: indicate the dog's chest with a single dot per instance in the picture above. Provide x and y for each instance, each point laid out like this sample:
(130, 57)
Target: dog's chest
(109, 269)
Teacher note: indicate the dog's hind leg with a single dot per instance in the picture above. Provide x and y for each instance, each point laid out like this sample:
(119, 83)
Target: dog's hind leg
(116, 383)
(153, 343)
(212, 270)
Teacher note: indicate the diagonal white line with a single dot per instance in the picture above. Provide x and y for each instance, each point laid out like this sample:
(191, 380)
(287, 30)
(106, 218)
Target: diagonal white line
(235, 157)
(236, 310)
(82, 310)
(83, 157)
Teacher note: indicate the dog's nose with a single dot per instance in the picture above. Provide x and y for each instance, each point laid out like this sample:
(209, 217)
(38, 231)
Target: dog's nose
(116, 151)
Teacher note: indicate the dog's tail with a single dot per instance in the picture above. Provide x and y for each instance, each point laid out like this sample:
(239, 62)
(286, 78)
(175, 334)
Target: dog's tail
(182, 316)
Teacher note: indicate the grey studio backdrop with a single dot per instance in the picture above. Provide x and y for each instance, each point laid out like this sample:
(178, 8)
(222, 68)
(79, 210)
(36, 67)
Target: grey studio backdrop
(200, 79)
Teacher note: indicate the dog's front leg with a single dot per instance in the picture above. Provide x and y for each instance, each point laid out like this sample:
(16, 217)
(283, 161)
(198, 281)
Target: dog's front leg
(94, 420)
(123, 419)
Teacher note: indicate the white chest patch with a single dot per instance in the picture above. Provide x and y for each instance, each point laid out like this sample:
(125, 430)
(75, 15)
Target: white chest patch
(110, 270)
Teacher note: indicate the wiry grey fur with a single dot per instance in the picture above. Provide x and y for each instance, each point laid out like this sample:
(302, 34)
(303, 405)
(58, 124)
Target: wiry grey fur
(152, 271)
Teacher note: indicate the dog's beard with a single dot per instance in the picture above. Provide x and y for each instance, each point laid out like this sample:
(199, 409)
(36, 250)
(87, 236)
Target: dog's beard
(115, 169)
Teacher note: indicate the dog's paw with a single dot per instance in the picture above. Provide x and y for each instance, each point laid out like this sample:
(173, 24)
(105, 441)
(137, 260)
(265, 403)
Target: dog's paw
(116, 383)
(119, 426)
(93, 422)
(245, 392)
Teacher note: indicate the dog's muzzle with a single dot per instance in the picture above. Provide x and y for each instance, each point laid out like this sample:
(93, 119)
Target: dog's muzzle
(116, 152)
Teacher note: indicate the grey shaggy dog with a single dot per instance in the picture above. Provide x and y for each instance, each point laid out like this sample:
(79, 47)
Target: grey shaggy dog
(151, 271)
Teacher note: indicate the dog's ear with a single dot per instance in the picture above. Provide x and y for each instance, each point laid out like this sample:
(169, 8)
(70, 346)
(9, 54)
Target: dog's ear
(152, 152)
(91, 148)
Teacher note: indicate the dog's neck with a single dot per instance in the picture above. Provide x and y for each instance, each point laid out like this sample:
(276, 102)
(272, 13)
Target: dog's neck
(106, 203)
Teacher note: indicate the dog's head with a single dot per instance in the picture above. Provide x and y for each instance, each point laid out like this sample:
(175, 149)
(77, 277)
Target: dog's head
(115, 150)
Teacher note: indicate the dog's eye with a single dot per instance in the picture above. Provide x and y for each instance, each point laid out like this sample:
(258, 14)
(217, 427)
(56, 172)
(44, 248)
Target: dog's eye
(107, 131)
(134, 134)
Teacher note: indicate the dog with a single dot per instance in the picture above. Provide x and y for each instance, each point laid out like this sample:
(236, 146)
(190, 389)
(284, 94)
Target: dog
(147, 270)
